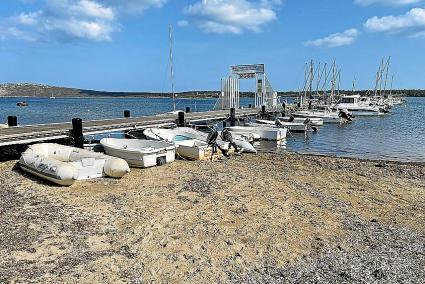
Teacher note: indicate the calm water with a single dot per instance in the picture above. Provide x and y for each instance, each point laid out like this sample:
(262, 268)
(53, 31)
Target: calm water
(397, 136)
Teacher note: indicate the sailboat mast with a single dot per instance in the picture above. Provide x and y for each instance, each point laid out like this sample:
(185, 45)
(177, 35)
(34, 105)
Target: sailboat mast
(386, 75)
(172, 67)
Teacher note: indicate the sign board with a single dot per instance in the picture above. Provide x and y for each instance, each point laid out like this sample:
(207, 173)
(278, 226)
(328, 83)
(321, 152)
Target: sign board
(247, 76)
(248, 69)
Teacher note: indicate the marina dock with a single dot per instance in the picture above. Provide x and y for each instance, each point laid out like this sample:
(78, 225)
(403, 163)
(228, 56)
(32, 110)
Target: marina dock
(48, 132)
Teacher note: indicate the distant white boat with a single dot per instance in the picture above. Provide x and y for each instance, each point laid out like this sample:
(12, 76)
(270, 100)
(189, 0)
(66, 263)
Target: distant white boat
(64, 165)
(140, 153)
(360, 106)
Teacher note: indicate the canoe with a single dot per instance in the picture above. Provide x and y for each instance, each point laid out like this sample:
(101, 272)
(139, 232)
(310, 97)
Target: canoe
(64, 165)
(140, 153)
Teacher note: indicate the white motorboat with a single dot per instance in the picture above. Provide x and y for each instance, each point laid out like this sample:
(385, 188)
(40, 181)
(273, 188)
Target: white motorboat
(263, 131)
(140, 153)
(64, 165)
(326, 116)
(360, 106)
(291, 126)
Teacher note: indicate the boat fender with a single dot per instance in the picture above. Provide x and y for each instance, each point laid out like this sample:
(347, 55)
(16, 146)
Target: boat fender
(116, 168)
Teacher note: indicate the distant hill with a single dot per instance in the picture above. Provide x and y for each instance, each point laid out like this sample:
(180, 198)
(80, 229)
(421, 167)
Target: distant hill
(38, 90)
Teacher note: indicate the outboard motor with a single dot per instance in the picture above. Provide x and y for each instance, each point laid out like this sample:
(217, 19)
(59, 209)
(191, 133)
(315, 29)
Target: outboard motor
(227, 137)
(345, 115)
(212, 142)
(291, 118)
(308, 123)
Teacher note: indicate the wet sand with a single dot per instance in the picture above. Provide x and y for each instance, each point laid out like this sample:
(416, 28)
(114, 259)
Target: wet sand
(249, 219)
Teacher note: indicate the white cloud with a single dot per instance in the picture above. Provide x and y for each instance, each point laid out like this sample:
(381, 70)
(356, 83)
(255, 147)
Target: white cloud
(67, 20)
(411, 22)
(182, 23)
(386, 2)
(135, 6)
(336, 40)
(15, 33)
(232, 16)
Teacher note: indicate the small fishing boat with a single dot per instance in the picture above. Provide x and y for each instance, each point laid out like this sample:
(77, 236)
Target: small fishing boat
(326, 116)
(22, 104)
(64, 165)
(140, 153)
(186, 147)
(312, 121)
(4, 126)
(262, 131)
(291, 126)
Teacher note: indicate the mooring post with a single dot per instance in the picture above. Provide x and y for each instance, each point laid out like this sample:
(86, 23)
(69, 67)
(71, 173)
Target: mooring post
(283, 109)
(224, 124)
(250, 106)
(180, 119)
(187, 109)
(263, 111)
(77, 132)
(232, 116)
(12, 121)
(127, 114)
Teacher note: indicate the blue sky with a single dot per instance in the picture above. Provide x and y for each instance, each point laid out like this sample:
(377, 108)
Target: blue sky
(122, 45)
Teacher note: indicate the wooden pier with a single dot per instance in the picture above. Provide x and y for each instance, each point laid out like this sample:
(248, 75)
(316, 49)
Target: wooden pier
(48, 132)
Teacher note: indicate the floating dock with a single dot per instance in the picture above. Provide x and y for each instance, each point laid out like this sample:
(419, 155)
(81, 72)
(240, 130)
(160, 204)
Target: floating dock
(48, 132)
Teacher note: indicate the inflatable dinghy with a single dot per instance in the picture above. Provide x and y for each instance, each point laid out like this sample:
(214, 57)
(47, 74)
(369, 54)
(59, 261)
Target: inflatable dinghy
(64, 165)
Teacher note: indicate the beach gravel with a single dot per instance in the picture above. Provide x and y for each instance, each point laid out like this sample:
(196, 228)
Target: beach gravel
(263, 218)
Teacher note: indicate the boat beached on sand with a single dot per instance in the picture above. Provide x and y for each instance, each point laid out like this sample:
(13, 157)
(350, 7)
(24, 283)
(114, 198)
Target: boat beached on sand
(263, 131)
(64, 165)
(140, 153)
(187, 147)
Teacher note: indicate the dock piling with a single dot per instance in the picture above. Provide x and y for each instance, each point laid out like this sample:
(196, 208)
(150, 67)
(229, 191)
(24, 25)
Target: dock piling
(263, 112)
(232, 116)
(127, 114)
(187, 109)
(77, 132)
(12, 121)
(180, 119)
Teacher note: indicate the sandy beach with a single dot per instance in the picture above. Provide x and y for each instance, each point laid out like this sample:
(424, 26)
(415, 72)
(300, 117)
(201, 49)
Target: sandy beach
(249, 219)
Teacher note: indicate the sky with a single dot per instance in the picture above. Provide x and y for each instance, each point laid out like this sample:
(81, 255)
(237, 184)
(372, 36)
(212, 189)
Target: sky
(123, 45)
